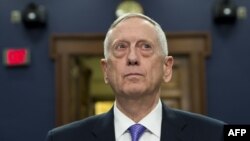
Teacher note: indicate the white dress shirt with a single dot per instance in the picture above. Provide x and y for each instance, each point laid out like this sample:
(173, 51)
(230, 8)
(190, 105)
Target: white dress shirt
(152, 122)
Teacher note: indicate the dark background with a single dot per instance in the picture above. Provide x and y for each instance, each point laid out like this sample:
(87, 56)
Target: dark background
(27, 95)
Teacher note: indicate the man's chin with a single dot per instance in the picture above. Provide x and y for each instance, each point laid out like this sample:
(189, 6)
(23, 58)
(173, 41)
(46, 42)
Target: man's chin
(134, 92)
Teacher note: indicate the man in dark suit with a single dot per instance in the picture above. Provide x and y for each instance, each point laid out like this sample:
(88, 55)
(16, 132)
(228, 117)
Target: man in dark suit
(136, 63)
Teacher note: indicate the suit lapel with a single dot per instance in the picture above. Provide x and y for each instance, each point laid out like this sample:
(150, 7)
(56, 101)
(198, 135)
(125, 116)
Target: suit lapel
(172, 125)
(104, 129)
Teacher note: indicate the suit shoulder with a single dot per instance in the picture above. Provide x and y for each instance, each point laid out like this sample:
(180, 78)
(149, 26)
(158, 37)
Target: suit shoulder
(198, 127)
(77, 126)
(199, 119)
(87, 128)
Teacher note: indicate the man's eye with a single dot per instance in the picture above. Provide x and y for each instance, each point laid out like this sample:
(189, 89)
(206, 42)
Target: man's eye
(120, 46)
(146, 46)
(147, 49)
(120, 49)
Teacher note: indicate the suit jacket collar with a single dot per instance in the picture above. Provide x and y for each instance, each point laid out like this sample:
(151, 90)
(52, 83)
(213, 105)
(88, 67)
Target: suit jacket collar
(104, 128)
(171, 130)
(172, 125)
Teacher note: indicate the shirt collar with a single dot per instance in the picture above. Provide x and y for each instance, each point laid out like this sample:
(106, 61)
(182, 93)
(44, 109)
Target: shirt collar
(152, 121)
(121, 122)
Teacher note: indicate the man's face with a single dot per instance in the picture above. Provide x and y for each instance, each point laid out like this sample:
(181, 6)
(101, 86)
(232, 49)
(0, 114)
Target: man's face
(135, 64)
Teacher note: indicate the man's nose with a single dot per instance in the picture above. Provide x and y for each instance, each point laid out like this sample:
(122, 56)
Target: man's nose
(133, 58)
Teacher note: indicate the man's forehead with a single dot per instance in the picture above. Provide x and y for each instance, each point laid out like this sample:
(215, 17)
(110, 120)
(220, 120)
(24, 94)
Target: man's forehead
(134, 33)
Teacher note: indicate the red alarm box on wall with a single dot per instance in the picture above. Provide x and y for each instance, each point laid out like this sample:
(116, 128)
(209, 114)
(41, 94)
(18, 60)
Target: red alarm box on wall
(16, 57)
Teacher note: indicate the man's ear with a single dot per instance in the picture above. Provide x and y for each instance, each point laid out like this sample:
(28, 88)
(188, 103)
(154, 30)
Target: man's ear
(104, 67)
(168, 70)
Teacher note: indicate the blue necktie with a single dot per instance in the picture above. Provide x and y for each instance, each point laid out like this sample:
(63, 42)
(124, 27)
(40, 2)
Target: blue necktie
(136, 131)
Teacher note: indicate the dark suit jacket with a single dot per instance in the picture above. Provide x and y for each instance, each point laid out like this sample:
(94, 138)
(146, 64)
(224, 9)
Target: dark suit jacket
(176, 126)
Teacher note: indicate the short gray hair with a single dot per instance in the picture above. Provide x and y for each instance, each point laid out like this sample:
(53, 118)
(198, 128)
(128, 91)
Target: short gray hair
(161, 34)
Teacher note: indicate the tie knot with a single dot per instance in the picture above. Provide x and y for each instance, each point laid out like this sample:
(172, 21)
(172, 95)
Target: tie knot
(136, 131)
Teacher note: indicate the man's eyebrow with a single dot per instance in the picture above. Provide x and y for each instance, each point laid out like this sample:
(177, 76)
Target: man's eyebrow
(145, 41)
(118, 41)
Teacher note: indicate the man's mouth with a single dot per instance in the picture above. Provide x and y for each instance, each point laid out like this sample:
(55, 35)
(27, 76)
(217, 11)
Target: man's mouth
(132, 74)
